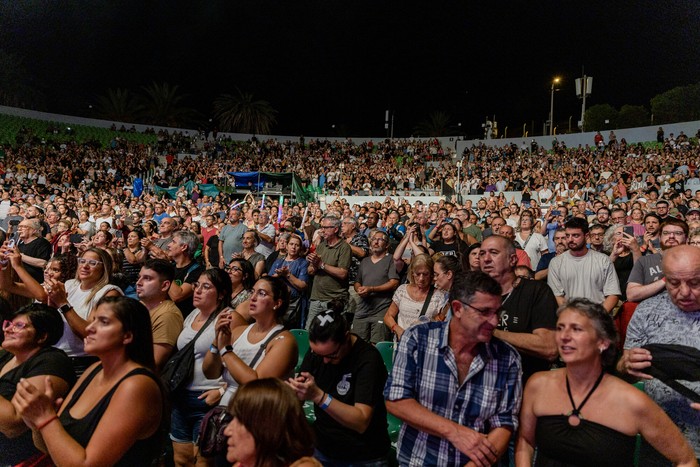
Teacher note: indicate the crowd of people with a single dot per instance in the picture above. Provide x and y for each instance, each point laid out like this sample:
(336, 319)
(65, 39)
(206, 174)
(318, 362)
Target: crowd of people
(594, 274)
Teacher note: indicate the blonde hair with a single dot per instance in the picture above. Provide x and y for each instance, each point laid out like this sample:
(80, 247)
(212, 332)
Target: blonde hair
(422, 260)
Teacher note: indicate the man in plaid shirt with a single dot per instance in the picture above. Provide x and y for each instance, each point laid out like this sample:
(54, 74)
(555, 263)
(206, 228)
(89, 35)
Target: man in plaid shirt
(457, 389)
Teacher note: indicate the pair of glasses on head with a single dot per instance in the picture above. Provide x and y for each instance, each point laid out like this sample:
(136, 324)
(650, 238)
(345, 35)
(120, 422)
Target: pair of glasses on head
(8, 326)
(90, 262)
(485, 313)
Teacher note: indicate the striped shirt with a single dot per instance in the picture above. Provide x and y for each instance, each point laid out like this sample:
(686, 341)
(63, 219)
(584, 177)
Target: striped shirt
(425, 369)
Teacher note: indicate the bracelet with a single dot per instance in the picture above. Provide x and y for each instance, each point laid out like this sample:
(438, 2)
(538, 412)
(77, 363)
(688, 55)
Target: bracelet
(222, 391)
(213, 349)
(393, 328)
(41, 427)
(327, 401)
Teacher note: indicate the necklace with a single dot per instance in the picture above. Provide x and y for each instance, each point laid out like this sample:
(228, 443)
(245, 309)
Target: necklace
(575, 414)
(515, 284)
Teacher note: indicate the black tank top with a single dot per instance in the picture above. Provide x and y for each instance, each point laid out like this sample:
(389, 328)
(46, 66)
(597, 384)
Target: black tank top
(588, 444)
(141, 453)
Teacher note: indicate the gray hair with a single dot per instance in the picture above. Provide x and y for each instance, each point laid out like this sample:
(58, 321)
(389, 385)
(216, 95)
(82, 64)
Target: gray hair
(609, 238)
(189, 239)
(602, 323)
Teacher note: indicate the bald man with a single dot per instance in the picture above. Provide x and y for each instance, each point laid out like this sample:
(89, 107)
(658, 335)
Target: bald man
(671, 317)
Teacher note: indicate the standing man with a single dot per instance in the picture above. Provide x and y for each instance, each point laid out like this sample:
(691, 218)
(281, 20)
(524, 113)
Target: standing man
(375, 284)
(457, 389)
(230, 237)
(581, 272)
(359, 245)
(559, 248)
(266, 232)
(166, 320)
(647, 277)
(329, 264)
(181, 251)
(34, 248)
(671, 317)
(530, 307)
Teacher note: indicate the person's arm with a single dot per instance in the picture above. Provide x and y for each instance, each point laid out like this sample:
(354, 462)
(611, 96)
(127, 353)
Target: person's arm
(161, 354)
(364, 291)
(638, 292)
(525, 445)
(357, 251)
(134, 258)
(633, 363)
(11, 423)
(610, 302)
(32, 261)
(391, 319)
(658, 429)
(58, 297)
(138, 396)
(280, 356)
(179, 293)
(27, 285)
(357, 417)
(540, 343)
(222, 260)
(259, 268)
(475, 445)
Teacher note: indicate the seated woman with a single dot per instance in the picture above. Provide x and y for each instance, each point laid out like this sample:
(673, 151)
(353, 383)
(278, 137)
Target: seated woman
(581, 412)
(418, 300)
(344, 377)
(28, 353)
(263, 349)
(59, 268)
(91, 427)
(293, 269)
(268, 427)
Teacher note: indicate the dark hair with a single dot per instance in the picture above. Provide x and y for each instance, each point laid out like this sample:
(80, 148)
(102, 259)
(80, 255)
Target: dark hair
(271, 412)
(603, 324)
(675, 222)
(654, 215)
(330, 324)
(280, 291)
(164, 269)
(222, 282)
(577, 223)
(45, 319)
(467, 284)
(256, 237)
(248, 272)
(139, 232)
(136, 320)
(450, 263)
(68, 265)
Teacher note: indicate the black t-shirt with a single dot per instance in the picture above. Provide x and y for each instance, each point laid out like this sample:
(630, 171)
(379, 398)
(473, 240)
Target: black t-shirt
(357, 378)
(445, 249)
(48, 361)
(530, 306)
(213, 245)
(37, 248)
(187, 275)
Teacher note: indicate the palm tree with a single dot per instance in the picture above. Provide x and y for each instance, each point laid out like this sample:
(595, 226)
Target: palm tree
(164, 106)
(120, 105)
(437, 124)
(241, 113)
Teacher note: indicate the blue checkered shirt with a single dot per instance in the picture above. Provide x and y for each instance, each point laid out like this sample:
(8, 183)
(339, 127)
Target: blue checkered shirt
(425, 369)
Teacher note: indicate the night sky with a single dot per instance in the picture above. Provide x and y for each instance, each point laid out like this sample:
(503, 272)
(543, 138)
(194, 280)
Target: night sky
(323, 63)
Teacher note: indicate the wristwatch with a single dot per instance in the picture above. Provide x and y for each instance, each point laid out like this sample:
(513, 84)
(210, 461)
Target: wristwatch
(322, 266)
(225, 350)
(65, 308)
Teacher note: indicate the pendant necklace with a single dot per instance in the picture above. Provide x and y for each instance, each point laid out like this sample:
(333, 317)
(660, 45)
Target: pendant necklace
(575, 414)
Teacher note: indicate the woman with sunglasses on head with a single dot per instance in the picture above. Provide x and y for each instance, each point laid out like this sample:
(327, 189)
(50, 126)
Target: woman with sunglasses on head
(240, 354)
(77, 298)
(28, 353)
(344, 377)
(211, 295)
(114, 414)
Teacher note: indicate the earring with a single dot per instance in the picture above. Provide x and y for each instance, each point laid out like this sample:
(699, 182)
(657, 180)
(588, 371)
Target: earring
(601, 350)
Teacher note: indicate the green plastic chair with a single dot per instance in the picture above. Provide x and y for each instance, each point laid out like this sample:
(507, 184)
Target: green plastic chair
(302, 338)
(638, 446)
(386, 349)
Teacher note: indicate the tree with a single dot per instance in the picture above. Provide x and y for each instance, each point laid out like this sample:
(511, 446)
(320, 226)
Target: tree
(243, 114)
(679, 104)
(597, 115)
(120, 105)
(163, 105)
(437, 124)
(16, 88)
(632, 116)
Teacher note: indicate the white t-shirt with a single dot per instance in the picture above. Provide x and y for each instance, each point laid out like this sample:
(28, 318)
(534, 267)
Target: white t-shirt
(201, 347)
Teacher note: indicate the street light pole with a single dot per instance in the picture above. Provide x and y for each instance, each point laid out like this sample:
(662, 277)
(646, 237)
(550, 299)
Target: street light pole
(551, 108)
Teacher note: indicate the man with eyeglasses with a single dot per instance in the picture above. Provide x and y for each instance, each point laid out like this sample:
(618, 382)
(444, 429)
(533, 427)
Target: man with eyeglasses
(647, 277)
(329, 264)
(595, 238)
(375, 284)
(456, 387)
(35, 249)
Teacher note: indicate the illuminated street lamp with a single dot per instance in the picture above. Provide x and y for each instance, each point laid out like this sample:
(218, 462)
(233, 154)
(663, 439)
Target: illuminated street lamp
(551, 107)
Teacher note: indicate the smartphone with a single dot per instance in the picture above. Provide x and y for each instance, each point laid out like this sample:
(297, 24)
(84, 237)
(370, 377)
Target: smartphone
(76, 238)
(118, 234)
(629, 230)
(11, 243)
(556, 212)
(448, 219)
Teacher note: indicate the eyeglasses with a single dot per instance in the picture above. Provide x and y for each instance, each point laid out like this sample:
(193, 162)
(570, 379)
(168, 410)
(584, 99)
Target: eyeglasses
(485, 313)
(331, 356)
(204, 286)
(694, 243)
(8, 325)
(673, 233)
(328, 227)
(260, 293)
(90, 262)
(233, 269)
